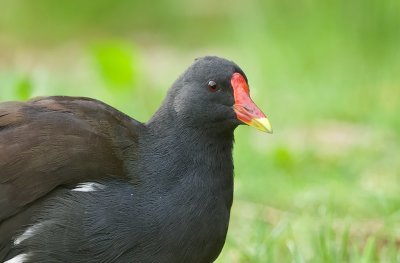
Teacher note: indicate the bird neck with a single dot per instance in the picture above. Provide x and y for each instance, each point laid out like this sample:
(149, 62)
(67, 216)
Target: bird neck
(180, 148)
(176, 154)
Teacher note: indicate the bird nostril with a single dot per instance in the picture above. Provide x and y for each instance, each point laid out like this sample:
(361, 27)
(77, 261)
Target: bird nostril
(248, 109)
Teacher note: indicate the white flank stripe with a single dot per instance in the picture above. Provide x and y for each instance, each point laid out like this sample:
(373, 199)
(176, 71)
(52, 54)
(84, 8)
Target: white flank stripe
(27, 234)
(88, 187)
(18, 259)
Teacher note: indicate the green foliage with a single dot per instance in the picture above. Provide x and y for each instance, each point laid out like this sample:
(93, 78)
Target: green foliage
(115, 62)
(15, 86)
(24, 88)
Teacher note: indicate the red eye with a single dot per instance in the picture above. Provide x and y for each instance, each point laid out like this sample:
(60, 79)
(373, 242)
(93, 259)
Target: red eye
(212, 86)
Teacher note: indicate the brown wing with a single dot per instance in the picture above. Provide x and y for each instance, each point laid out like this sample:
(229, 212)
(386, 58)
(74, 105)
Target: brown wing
(52, 141)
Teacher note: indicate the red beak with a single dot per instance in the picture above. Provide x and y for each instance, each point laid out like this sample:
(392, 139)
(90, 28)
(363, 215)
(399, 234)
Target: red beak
(246, 110)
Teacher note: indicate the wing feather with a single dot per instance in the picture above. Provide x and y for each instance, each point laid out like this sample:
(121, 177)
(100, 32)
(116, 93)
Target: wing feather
(52, 141)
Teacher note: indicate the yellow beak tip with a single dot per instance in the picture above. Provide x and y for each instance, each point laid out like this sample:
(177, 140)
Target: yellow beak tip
(263, 124)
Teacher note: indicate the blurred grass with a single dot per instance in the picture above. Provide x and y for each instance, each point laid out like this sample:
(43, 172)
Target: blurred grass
(325, 186)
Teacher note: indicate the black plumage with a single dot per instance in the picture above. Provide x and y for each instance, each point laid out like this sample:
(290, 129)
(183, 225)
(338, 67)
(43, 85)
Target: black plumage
(161, 192)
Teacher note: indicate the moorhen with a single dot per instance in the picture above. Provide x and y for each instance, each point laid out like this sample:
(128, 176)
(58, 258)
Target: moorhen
(82, 182)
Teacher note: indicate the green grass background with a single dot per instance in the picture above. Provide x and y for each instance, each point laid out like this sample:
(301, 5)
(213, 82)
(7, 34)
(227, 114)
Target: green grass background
(325, 186)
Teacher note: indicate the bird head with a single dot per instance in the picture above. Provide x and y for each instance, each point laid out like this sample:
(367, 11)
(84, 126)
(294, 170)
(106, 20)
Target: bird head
(214, 91)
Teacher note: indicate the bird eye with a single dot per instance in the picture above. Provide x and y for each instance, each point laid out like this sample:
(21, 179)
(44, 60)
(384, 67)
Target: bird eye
(212, 86)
